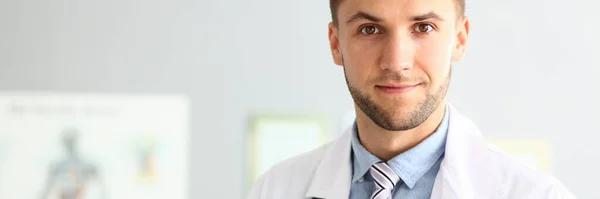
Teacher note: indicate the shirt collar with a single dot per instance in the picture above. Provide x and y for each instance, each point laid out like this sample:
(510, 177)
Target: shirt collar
(410, 165)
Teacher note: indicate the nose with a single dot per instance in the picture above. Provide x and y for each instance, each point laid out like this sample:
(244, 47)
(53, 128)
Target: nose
(397, 53)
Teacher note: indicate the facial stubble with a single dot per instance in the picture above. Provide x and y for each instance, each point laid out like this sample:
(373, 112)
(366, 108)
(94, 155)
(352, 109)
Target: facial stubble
(414, 118)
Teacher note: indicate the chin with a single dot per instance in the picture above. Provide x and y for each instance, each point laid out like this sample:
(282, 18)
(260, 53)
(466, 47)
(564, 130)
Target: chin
(399, 105)
(400, 114)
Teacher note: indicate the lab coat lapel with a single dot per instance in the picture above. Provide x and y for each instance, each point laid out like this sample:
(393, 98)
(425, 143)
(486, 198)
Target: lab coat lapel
(465, 171)
(333, 176)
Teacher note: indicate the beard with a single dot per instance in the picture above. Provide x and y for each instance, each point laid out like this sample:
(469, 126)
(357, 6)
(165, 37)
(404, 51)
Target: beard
(412, 119)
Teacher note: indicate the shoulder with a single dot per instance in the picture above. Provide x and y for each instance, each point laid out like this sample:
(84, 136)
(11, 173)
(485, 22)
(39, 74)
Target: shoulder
(491, 170)
(521, 181)
(290, 177)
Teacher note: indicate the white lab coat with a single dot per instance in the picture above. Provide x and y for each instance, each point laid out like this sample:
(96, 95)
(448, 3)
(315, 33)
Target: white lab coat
(471, 169)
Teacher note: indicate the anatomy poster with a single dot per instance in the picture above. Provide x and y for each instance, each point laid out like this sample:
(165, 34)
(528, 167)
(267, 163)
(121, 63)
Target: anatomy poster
(69, 146)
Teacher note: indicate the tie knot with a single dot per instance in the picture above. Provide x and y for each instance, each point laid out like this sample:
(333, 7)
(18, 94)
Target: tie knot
(384, 176)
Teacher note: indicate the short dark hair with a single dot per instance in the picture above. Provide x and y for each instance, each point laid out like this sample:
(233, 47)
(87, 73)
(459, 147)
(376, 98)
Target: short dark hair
(334, 4)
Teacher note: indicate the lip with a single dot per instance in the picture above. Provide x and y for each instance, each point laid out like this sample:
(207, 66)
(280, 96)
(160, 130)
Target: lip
(395, 89)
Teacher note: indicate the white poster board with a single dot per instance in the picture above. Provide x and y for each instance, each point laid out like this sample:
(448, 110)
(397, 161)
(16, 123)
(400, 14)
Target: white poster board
(93, 146)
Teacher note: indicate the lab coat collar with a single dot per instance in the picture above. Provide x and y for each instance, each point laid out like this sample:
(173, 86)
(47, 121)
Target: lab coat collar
(466, 171)
(333, 176)
(464, 164)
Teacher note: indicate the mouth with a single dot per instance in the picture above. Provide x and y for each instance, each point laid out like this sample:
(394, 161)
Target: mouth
(396, 89)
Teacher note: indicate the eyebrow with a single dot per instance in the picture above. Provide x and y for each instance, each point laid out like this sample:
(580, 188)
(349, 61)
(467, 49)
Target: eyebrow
(363, 15)
(429, 15)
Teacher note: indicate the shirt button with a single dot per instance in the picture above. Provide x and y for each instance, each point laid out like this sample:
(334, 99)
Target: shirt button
(361, 179)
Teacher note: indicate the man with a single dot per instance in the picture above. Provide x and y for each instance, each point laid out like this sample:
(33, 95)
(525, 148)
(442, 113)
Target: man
(406, 142)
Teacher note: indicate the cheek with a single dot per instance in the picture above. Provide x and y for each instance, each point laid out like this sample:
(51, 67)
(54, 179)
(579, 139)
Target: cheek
(434, 57)
(360, 61)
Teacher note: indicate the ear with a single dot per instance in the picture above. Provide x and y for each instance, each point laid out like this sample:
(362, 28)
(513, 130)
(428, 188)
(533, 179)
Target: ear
(463, 27)
(334, 44)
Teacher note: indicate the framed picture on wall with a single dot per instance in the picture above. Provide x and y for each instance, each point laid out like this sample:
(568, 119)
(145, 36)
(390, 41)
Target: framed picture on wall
(276, 137)
(93, 146)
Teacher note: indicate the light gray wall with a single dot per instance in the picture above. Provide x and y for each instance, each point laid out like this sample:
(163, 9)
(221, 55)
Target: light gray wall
(131, 46)
(530, 70)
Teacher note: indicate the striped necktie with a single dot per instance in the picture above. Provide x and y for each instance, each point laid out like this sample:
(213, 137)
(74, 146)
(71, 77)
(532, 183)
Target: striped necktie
(385, 179)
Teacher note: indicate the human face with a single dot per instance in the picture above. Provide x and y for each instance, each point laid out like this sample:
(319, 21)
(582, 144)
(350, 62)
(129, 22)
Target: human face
(397, 56)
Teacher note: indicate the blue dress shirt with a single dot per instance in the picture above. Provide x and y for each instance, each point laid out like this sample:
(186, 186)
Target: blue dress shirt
(417, 167)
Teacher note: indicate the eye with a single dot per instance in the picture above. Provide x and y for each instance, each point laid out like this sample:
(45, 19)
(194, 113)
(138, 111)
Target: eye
(369, 30)
(424, 28)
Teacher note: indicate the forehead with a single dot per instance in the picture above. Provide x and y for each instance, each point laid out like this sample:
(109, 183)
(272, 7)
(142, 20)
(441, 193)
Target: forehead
(395, 9)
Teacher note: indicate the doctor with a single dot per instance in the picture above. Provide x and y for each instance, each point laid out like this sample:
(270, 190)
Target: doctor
(407, 142)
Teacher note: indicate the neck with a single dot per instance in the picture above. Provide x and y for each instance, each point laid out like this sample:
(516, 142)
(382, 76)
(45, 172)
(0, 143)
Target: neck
(386, 144)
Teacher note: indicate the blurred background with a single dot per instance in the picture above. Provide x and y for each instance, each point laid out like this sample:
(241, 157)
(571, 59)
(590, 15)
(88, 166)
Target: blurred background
(529, 77)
